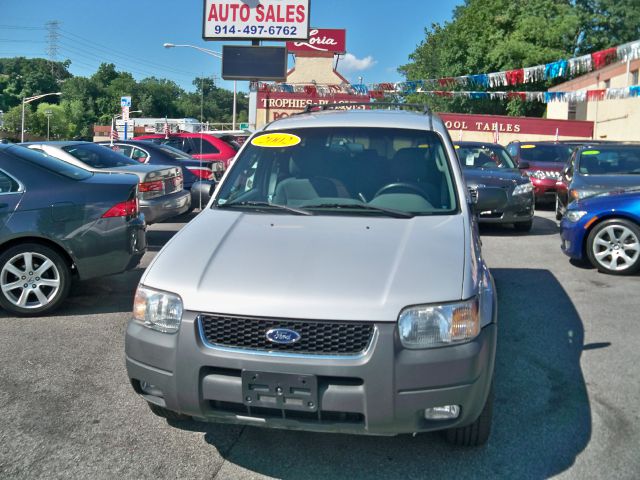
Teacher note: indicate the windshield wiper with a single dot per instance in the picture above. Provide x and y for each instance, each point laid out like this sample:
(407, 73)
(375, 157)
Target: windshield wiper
(267, 205)
(363, 206)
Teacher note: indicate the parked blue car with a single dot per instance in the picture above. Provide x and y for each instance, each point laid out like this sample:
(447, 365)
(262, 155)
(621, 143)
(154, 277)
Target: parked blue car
(605, 229)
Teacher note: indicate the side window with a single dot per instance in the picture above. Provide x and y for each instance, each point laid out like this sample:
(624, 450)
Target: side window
(207, 148)
(8, 184)
(177, 143)
(123, 149)
(140, 155)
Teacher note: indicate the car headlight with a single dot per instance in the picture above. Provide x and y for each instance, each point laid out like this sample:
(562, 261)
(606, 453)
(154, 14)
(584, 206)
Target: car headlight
(580, 194)
(574, 215)
(157, 310)
(523, 189)
(429, 326)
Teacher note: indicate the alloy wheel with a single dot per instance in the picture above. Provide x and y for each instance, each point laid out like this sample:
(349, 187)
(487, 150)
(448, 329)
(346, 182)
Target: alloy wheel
(616, 247)
(30, 280)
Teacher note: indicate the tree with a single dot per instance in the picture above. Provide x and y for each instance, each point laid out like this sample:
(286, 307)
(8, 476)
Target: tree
(495, 35)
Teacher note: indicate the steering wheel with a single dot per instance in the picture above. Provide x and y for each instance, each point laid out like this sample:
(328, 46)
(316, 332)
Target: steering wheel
(408, 186)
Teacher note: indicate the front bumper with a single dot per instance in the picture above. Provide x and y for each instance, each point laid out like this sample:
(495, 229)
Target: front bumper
(382, 392)
(167, 206)
(520, 208)
(572, 238)
(544, 190)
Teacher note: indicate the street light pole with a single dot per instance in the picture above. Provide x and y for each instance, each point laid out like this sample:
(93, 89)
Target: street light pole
(26, 100)
(218, 55)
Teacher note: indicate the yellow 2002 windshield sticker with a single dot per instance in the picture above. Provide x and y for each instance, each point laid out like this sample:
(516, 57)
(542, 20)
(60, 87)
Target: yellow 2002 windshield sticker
(527, 146)
(591, 152)
(276, 140)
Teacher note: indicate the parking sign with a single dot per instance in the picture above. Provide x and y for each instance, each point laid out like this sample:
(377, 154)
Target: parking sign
(125, 102)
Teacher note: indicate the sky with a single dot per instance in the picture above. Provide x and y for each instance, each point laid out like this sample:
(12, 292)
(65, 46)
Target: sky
(131, 33)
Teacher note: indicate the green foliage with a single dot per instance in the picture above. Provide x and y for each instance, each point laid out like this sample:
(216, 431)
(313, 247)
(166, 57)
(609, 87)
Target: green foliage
(96, 99)
(495, 35)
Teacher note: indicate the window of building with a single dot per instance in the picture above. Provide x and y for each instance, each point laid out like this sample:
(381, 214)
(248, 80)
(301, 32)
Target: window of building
(607, 83)
(634, 77)
(571, 113)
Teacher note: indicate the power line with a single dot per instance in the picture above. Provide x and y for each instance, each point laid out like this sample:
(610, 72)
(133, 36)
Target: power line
(120, 54)
(52, 37)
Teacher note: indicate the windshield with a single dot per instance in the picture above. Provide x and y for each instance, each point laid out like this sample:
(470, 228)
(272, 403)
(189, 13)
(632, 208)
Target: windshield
(484, 156)
(96, 156)
(341, 170)
(619, 160)
(545, 153)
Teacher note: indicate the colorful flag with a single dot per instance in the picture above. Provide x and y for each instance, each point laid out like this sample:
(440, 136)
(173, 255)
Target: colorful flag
(114, 132)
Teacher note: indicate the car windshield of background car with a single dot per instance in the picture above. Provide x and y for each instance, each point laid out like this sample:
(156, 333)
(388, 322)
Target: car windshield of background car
(484, 157)
(50, 163)
(545, 153)
(342, 170)
(610, 161)
(97, 156)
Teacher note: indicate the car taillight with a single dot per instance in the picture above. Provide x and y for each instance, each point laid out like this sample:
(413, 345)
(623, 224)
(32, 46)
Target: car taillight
(203, 173)
(123, 209)
(155, 186)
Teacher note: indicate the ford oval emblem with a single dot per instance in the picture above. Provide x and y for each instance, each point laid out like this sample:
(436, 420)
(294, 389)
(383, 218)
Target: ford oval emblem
(283, 336)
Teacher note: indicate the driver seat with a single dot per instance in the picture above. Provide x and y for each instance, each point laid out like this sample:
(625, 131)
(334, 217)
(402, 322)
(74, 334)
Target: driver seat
(413, 165)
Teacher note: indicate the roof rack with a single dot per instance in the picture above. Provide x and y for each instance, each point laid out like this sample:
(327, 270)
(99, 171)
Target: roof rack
(316, 107)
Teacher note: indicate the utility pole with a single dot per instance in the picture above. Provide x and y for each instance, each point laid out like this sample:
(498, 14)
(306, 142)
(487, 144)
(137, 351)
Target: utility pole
(52, 39)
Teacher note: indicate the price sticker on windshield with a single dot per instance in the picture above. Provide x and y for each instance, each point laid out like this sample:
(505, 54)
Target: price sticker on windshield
(276, 140)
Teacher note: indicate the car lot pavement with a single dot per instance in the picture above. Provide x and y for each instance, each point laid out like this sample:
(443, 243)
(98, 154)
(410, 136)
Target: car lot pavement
(567, 387)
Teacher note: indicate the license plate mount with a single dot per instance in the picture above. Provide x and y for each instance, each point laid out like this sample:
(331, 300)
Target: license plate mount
(284, 391)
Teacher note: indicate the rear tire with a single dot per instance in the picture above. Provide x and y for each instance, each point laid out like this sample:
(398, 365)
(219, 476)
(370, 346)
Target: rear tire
(168, 414)
(34, 279)
(478, 432)
(524, 226)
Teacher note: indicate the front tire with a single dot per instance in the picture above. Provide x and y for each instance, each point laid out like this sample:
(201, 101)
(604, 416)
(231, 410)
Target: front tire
(34, 279)
(478, 432)
(613, 247)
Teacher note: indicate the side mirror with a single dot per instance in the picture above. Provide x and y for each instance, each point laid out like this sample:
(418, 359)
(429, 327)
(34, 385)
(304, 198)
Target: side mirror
(489, 198)
(523, 165)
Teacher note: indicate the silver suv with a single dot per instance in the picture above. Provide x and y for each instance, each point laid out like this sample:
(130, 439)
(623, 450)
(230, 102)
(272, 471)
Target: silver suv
(335, 283)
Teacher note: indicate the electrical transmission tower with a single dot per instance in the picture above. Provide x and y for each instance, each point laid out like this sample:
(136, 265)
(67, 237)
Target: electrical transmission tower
(52, 39)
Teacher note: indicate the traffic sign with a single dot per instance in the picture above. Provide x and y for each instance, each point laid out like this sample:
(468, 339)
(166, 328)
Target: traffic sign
(125, 102)
(244, 126)
(125, 114)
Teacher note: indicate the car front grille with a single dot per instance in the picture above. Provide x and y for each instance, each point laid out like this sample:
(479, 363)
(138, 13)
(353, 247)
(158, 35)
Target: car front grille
(316, 337)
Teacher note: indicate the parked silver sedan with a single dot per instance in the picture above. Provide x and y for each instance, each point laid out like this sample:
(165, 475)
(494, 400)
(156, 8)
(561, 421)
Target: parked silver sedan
(160, 191)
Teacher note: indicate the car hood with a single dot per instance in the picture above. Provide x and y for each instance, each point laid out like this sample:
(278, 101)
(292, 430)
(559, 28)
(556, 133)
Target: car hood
(494, 178)
(605, 182)
(549, 166)
(312, 267)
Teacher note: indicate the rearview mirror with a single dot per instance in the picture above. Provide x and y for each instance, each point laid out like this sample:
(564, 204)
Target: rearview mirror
(489, 198)
(523, 165)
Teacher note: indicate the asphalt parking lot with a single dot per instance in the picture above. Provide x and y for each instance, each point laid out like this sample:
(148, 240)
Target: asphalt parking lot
(567, 389)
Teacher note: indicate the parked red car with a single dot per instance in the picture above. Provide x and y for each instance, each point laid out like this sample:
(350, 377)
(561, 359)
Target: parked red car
(200, 146)
(543, 163)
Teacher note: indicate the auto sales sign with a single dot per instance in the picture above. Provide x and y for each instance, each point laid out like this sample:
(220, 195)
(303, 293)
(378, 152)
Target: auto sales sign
(256, 20)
